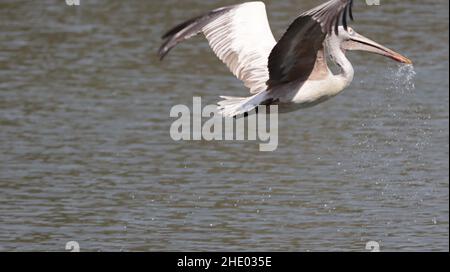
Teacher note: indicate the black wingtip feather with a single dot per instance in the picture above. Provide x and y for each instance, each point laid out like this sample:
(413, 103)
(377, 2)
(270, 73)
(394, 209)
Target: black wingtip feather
(188, 29)
(350, 9)
(333, 18)
(163, 51)
(336, 24)
(344, 19)
(180, 27)
(347, 12)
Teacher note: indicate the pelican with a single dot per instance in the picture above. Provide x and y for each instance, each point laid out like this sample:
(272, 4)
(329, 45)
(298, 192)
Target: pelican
(292, 73)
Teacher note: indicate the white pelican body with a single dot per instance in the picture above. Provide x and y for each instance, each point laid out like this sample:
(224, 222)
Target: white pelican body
(292, 73)
(303, 94)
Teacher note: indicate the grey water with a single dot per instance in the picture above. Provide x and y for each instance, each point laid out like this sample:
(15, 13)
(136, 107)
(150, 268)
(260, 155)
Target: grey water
(86, 156)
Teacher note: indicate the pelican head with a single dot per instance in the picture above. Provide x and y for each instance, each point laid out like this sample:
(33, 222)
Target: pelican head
(352, 41)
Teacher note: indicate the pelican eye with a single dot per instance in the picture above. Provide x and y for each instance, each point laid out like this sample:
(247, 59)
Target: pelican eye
(351, 31)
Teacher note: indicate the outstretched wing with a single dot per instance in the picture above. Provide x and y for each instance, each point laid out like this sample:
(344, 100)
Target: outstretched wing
(239, 35)
(295, 55)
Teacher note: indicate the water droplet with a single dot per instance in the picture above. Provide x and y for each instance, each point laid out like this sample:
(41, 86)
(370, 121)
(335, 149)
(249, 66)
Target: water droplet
(403, 78)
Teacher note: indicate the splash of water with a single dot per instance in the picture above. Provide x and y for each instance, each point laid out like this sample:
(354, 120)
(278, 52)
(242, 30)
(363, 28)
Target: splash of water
(403, 79)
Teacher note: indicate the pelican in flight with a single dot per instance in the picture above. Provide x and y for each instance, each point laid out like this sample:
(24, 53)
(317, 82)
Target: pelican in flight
(292, 73)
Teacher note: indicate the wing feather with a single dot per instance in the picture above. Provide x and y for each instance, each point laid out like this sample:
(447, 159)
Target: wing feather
(239, 35)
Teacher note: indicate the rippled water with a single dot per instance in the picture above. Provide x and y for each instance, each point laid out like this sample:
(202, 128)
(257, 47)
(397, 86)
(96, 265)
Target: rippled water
(86, 153)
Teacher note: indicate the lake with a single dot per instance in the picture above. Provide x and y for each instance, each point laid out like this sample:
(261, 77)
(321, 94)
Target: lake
(86, 153)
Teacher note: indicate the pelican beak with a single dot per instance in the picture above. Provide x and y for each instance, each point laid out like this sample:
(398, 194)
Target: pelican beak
(361, 43)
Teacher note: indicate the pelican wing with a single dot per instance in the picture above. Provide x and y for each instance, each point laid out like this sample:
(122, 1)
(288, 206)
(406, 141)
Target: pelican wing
(295, 55)
(239, 35)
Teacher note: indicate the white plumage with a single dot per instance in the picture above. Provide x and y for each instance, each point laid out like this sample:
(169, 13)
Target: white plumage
(245, 50)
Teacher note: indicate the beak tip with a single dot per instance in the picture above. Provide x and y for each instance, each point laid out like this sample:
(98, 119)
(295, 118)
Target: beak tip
(407, 61)
(403, 59)
(410, 62)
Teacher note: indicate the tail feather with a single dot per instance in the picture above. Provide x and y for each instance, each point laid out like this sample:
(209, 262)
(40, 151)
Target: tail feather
(233, 106)
(188, 30)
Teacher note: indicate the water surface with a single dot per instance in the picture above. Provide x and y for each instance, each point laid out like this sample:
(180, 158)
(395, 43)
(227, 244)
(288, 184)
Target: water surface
(86, 153)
